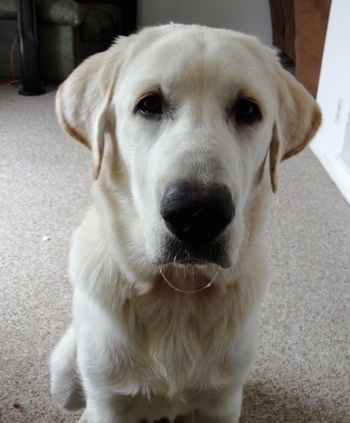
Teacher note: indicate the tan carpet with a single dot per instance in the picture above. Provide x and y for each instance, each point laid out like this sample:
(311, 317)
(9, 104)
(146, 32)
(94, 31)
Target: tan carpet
(302, 373)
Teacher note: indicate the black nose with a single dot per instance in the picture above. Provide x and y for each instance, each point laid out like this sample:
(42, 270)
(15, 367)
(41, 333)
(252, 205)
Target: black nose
(197, 213)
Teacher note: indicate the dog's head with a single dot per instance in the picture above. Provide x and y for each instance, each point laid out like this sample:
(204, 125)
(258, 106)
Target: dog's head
(180, 121)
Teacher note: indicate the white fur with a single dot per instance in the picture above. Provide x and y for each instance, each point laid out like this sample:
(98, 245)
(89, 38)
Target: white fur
(140, 349)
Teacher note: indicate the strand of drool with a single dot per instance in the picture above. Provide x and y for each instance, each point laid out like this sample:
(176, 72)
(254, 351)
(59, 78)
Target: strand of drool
(208, 285)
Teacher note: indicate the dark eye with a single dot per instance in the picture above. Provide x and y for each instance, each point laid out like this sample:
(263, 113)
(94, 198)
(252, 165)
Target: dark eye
(151, 105)
(246, 112)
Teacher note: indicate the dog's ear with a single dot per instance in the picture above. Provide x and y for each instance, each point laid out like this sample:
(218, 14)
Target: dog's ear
(298, 118)
(84, 100)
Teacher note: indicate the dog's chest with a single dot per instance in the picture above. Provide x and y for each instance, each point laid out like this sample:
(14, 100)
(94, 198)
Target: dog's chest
(183, 343)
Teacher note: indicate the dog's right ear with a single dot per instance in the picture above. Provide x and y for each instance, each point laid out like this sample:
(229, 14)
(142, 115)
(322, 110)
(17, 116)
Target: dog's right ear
(84, 100)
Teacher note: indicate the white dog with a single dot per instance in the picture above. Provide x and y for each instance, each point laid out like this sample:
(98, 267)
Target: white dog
(169, 266)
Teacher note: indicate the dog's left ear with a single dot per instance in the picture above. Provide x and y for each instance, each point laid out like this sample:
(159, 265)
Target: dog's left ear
(298, 118)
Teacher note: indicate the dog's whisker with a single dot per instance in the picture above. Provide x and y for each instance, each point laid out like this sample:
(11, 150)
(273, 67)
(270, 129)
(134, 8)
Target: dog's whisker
(196, 213)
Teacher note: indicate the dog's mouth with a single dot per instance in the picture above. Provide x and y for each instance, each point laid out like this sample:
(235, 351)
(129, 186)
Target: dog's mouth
(190, 268)
(180, 253)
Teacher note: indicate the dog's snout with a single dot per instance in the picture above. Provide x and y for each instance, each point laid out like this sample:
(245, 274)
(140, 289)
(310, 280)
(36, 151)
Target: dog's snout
(197, 213)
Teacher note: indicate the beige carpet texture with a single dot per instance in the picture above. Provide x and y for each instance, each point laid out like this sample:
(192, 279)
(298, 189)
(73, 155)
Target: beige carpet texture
(302, 371)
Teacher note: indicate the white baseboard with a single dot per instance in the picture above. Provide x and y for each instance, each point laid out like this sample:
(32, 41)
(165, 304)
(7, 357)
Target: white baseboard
(336, 168)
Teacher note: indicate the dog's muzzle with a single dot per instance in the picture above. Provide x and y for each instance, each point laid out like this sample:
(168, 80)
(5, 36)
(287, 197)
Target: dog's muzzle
(197, 216)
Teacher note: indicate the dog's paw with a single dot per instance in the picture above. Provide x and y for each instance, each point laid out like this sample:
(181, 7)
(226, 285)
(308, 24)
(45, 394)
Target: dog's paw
(164, 420)
(83, 418)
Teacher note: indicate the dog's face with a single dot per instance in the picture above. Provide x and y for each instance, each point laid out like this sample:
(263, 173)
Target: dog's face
(194, 126)
(192, 114)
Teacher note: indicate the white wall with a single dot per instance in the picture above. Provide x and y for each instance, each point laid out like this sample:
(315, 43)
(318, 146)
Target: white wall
(251, 16)
(332, 143)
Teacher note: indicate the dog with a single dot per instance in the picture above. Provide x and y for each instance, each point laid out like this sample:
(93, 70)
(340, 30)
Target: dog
(169, 265)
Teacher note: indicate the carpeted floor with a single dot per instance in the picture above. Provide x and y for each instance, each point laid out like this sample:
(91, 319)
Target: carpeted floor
(302, 373)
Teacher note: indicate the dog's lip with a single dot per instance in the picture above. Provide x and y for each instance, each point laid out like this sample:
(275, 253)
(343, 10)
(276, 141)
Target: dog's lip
(199, 264)
(195, 262)
(190, 262)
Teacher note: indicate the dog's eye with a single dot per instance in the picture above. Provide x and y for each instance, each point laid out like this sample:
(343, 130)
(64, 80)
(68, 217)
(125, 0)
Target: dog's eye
(151, 105)
(246, 112)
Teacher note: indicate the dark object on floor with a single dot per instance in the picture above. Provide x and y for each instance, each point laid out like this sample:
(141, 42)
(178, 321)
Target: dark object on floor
(28, 41)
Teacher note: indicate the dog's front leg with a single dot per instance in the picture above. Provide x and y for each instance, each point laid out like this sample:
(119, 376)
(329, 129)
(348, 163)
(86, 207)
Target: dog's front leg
(107, 411)
(66, 387)
(99, 415)
(225, 410)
